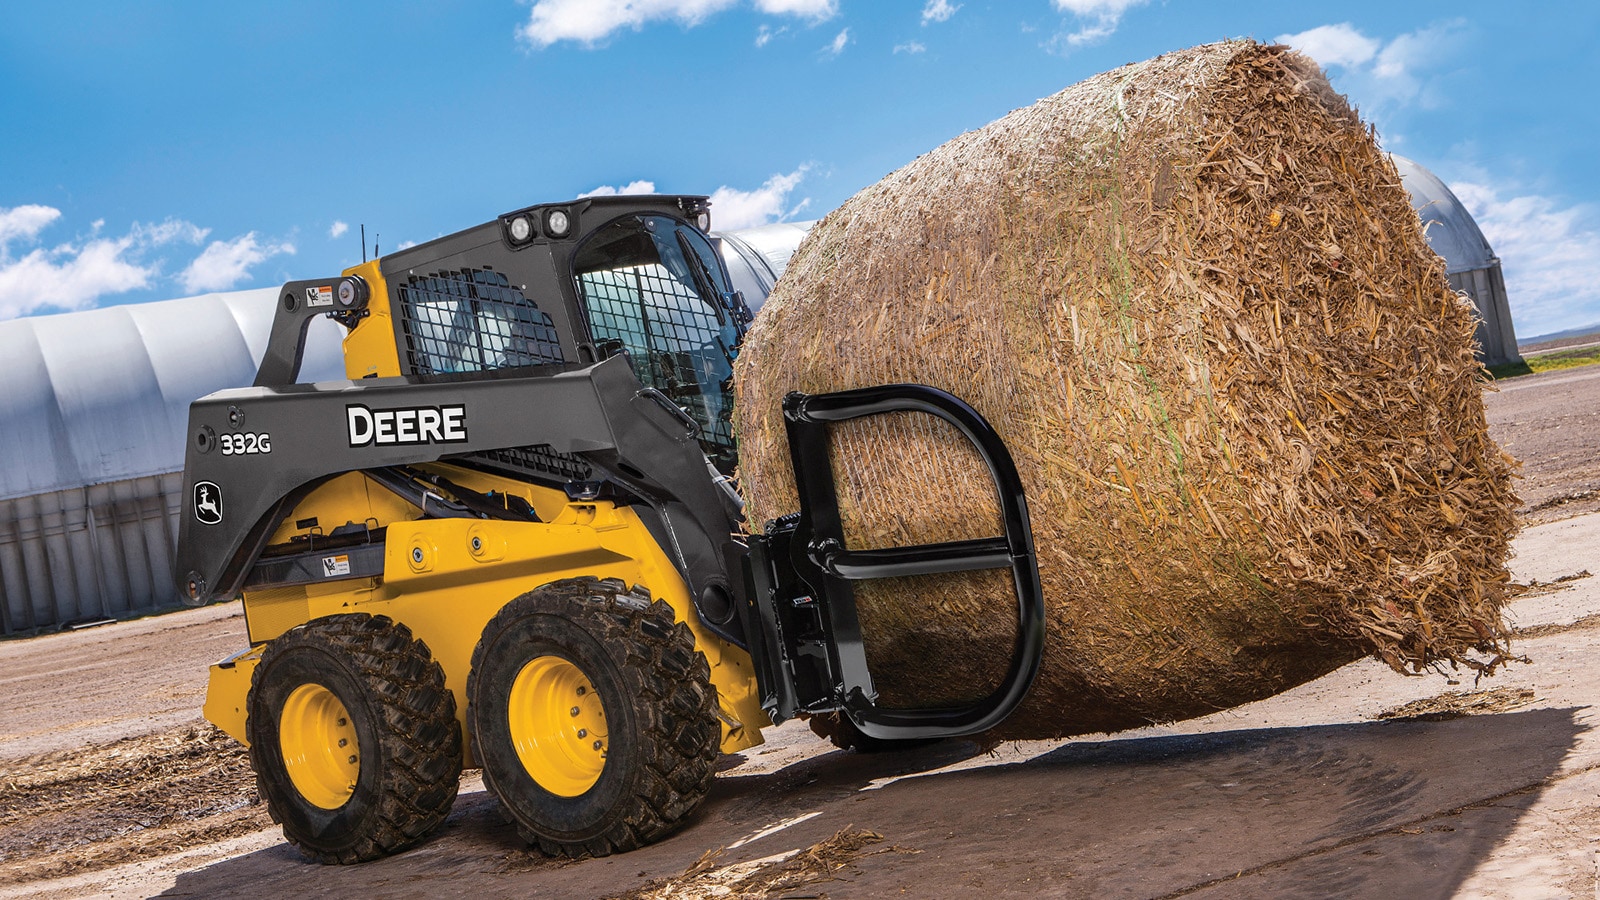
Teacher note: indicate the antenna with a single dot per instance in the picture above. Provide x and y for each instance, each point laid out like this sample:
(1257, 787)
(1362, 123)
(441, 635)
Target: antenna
(375, 237)
(363, 242)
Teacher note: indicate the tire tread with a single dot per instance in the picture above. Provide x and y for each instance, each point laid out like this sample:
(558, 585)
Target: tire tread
(418, 731)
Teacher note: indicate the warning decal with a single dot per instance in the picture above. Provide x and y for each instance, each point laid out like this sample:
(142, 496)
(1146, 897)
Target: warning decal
(334, 566)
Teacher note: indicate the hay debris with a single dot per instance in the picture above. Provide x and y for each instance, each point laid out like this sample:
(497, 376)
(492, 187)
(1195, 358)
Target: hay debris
(1456, 704)
(1192, 296)
(763, 878)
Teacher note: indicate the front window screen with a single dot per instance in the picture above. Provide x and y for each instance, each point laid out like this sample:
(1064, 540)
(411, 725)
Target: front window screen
(654, 290)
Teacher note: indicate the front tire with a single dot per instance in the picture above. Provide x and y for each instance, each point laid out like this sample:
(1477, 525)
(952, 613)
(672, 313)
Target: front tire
(593, 717)
(353, 737)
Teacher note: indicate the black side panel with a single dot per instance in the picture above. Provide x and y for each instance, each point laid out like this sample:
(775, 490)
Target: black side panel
(253, 451)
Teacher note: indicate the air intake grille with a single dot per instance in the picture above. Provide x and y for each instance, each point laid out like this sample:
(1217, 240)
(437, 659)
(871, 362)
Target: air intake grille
(473, 321)
(541, 460)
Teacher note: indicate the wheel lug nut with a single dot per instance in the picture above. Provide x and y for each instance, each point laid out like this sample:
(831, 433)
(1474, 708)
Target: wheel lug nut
(352, 759)
(583, 732)
(574, 710)
(341, 723)
(597, 745)
(582, 691)
(343, 742)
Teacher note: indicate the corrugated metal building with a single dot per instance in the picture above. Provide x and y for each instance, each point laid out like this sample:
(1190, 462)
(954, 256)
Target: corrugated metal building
(92, 425)
(94, 411)
(1469, 261)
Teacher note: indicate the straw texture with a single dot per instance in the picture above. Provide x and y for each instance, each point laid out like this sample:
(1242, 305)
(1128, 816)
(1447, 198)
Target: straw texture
(1192, 296)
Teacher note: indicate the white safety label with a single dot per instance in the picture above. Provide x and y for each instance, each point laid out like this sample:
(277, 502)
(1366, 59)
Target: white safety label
(334, 566)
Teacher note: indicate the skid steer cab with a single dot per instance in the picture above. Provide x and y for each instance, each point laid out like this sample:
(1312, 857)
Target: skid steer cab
(511, 540)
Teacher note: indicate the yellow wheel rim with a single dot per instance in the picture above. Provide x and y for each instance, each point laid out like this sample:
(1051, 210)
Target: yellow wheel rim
(319, 746)
(558, 726)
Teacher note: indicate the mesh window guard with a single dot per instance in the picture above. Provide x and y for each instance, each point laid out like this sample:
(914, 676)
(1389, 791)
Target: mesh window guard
(672, 340)
(473, 321)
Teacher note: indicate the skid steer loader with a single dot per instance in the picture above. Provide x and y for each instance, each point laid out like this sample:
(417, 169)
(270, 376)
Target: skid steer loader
(511, 540)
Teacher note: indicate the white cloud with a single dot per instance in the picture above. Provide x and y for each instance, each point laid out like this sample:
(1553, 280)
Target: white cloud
(1382, 75)
(69, 277)
(588, 22)
(733, 209)
(633, 187)
(224, 264)
(938, 11)
(812, 10)
(1334, 45)
(764, 35)
(1549, 252)
(76, 275)
(1103, 17)
(838, 44)
(25, 221)
(338, 229)
(167, 232)
(912, 47)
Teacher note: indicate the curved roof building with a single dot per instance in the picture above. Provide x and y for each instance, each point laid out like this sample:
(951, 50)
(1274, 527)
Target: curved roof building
(104, 395)
(1469, 261)
(95, 408)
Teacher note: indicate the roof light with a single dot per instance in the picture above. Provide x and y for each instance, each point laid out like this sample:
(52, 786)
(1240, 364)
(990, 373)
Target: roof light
(704, 220)
(557, 223)
(520, 229)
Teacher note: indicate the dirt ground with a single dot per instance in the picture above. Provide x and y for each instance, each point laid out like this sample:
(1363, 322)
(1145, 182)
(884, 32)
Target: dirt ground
(1361, 784)
(1551, 422)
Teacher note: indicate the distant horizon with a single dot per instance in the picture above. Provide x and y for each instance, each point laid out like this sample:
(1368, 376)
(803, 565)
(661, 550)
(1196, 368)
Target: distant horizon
(1581, 331)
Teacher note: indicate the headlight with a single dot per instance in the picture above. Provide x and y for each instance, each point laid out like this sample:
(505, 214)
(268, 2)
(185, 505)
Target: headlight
(521, 229)
(704, 220)
(557, 223)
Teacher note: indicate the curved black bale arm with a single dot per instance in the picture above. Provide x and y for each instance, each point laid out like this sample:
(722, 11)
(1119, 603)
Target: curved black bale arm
(810, 656)
(254, 453)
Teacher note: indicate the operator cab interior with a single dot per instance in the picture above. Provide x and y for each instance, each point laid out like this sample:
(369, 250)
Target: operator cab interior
(653, 289)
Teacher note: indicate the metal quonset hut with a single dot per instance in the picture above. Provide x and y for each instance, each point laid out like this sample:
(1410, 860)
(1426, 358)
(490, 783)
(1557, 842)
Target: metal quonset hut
(92, 426)
(1469, 262)
(755, 257)
(91, 433)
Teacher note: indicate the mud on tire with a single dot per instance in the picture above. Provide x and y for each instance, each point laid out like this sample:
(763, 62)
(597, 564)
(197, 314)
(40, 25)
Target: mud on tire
(405, 736)
(659, 712)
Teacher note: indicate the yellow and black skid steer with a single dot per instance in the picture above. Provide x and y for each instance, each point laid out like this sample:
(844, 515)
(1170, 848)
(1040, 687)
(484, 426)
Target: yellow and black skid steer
(512, 540)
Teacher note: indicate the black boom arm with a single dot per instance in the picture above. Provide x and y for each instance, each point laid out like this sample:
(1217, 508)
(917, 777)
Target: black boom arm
(254, 453)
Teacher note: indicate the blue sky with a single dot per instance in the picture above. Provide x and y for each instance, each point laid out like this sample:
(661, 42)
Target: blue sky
(159, 150)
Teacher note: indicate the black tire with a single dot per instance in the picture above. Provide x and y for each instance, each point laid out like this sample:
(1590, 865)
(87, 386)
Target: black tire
(405, 735)
(843, 733)
(658, 709)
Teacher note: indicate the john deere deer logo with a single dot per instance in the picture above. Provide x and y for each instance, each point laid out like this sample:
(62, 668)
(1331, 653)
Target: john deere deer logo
(208, 503)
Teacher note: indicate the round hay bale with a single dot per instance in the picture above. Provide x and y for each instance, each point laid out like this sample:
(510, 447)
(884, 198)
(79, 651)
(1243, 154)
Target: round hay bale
(1193, 298)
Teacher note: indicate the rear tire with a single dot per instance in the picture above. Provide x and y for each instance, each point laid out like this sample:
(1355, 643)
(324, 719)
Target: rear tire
(353, 737)
(593, 717)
